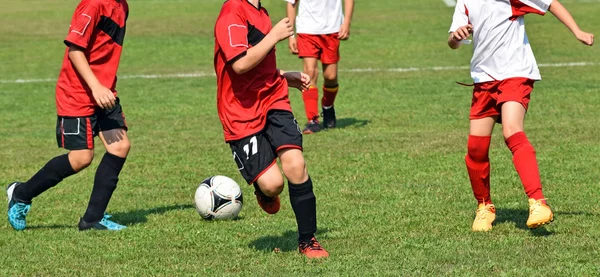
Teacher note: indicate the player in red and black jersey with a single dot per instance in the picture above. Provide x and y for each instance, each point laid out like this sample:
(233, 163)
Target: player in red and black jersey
(87, 106)
(254, 108)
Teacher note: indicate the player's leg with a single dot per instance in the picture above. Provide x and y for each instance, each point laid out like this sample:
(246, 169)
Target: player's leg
(478, 167)
(524, 157)
(330, 90)
(113, 133)
(74, 134)
(257, 162)
(310, 52)
(330, 59)
(483, 116)
(303, 200)
(285, 137)
(311, 96)
(267, 189)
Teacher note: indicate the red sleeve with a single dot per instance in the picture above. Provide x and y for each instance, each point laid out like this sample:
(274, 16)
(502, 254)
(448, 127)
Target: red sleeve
(523, 7)
(84, 22)
(231, 33)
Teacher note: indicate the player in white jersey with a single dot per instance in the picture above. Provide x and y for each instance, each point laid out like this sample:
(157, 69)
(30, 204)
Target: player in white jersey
(320, 25)
(504, 70)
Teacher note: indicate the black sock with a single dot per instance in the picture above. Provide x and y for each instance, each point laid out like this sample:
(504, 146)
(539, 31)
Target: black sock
(49, 176)
(304, 204)
(105, 183)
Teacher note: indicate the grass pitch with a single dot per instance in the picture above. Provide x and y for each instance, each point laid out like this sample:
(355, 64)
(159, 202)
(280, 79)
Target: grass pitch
(392, 189)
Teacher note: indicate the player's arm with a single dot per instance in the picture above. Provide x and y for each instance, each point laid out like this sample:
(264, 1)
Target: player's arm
(256, 54)
(296, 79)
(461, 27)
(104, 97)
(456, 37)
(563, 15)
(291, 15)
(345, 28)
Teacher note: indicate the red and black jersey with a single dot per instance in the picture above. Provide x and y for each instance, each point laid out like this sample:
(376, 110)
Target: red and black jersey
(243, 100)
(98, 27)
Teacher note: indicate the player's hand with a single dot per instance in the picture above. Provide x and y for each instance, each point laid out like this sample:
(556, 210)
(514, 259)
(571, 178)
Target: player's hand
(297, 80)
(282, 30)
(462, 33)
(344, 32)
(293, 44)
(585, 38)
(104, 97)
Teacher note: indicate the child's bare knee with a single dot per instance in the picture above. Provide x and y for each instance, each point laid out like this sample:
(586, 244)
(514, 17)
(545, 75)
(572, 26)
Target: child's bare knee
(81, 159)
(294, 169)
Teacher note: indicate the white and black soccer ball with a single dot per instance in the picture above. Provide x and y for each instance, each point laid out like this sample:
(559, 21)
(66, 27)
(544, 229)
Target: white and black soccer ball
(218, 197)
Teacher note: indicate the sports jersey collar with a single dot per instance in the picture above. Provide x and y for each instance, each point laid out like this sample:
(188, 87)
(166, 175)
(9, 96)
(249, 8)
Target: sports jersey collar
(259, 4)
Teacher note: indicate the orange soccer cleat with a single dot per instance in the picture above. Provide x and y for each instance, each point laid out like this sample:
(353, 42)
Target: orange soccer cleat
(312, 249)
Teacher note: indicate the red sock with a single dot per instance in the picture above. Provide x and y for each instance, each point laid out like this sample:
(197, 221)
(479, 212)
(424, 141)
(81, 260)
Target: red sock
(478, 166)
(311, 103)
(329, 96)
(526, 164)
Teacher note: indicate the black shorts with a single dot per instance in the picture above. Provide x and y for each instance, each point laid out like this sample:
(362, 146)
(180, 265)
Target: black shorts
(77, 133)
(254, 154)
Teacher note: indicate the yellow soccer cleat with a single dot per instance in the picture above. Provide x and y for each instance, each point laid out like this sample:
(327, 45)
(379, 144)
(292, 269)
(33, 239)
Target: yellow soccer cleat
(539, 214)
(484, 217)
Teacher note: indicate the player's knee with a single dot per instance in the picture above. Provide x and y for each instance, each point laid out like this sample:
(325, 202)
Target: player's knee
(330, 79)
(295, 169)
(272, 187)
(81, 159)
(120, 149)
(313, 73)
(510, 129)
(477, 153)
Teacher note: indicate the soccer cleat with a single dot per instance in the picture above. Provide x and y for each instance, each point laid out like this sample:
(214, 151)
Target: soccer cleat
(104, 224)
(271, 205)
(329, 120)
(312, 127)
(17, 211)
(539, 214)
(312, 249)
(484, 217)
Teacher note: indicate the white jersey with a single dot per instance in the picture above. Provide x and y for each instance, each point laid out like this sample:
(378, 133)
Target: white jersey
(318, 17)
(501, 48)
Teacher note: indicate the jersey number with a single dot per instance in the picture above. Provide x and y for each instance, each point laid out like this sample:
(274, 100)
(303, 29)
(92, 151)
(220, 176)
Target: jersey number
(254, 144)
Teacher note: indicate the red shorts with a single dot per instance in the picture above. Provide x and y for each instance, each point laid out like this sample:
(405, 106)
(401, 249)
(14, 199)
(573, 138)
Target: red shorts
(323, 47)
(488, 97)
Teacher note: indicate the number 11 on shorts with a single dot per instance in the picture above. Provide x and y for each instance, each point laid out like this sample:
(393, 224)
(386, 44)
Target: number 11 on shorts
(254, 144)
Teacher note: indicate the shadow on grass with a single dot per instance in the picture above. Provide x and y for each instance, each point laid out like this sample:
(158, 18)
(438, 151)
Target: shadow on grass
(351, 121)
(519, 218)
(286, 242)
(52, 227)
(141, 216)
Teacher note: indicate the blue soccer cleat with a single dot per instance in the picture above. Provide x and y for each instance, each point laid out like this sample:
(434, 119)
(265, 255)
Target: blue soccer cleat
(104, 224)
(17, 211)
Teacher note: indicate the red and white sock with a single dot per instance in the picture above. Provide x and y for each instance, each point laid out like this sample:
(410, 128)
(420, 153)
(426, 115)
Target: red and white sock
(526, 164)
(311, 103)
(329, 96)
(478, 167)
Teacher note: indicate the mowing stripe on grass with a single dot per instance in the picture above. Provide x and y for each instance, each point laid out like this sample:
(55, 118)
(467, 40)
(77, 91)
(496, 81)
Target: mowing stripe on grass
(210, 74)
(450, 3)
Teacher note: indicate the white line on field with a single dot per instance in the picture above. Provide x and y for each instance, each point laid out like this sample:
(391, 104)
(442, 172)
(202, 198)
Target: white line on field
(450, 3)
(207, 74)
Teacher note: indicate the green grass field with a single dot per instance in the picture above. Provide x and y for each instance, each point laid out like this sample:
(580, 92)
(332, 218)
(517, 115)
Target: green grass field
(393, 193)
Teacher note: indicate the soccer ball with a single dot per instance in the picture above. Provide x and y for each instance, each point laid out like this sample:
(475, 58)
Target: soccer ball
(218, 197)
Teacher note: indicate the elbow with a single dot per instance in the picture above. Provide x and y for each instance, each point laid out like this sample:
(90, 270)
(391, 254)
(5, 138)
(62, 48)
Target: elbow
(453, 44)
(239, 68)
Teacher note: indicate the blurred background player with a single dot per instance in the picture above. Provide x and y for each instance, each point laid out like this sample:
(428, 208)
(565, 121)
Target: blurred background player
(504, 70)
(254, 108)
(320, 26)
(87, 106)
